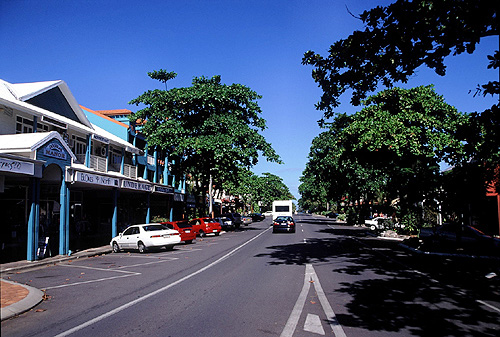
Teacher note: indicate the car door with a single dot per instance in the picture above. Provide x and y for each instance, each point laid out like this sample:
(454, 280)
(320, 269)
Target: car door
(129, 238)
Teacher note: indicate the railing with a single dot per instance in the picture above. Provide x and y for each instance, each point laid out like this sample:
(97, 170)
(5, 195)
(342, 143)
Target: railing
(130, 171)
(151, 160)
(99, 163)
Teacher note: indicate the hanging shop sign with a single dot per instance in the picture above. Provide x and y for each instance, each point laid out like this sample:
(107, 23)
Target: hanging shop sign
(164, 189)
(100, 138)
(16, 166)
(134, 185)
(96, 179)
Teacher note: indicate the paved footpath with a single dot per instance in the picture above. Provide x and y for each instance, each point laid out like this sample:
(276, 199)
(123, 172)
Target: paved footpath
(18, 298)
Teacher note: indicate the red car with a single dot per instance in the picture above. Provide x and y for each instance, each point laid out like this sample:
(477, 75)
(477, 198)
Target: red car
(204, 226)
(188, 234)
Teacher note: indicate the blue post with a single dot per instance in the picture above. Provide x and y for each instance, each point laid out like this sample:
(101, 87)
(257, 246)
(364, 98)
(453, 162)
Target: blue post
(87, 153)
(122, 164)
(145, 175)
(155, 177)
(37, 214)
(171, 213)
(62, 219)
(148, 212)
(114, 222)
(67, 217)
(31, 251)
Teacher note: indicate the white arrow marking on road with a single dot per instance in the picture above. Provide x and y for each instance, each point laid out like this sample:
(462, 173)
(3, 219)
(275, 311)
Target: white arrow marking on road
(291, 324)
(313, 324)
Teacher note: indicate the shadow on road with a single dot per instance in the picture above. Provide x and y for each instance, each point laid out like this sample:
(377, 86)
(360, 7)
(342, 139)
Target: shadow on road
(384, 294)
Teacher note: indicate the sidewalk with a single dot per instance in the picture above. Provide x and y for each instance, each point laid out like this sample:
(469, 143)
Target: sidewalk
(18, 298)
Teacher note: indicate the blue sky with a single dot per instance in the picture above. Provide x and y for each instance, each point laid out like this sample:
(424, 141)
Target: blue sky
(103, 50)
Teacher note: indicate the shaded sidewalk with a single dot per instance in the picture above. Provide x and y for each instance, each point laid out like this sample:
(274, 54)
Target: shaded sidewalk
(18, 298)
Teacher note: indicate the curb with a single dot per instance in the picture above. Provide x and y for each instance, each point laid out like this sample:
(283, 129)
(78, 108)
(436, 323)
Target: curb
(34, 297)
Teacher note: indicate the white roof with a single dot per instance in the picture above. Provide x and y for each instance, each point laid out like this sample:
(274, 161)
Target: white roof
(24, 91)
(29, 142)
(9, 94)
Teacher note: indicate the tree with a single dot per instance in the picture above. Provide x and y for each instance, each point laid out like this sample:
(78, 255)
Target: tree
(211, 128)
(390, 149)
(398, 39)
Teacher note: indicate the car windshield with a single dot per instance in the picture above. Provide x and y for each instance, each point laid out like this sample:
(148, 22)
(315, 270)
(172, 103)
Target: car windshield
(210, 220)
(168, 226)
(284, 218)
(150, 228)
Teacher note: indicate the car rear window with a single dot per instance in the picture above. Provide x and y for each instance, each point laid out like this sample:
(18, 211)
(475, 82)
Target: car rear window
(183, 224)
(151, 228)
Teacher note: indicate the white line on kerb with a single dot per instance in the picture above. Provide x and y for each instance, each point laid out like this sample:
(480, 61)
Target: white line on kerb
(291, 324)
(145, 297)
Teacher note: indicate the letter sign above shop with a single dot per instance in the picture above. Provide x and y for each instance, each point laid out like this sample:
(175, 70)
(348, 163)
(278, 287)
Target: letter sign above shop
(55, 150)
(95, 179)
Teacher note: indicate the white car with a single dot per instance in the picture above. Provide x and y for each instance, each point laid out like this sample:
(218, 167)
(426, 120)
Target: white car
(268, 213)
(143, 237)
(375, 223)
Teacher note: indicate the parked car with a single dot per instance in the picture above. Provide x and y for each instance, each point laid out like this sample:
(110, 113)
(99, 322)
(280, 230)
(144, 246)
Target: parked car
(284, 224)
(144, 237)
(332, 215)
(381, 223)
(235, 218)
(268, 213)
(257, 216)
(247, 220)
(448, 233)
(225, 223)
(204, 226)
(184, 228)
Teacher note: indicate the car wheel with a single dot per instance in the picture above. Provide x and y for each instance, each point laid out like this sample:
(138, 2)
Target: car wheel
(141, 247)
(217, 234)
(189, 241)
(202, 234)
(116, 248)
(373, 227)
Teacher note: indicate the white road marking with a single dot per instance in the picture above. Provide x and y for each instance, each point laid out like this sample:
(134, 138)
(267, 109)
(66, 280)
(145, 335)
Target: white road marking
(488, 305)
(128, 274)
(313, 324)
(311, 278)
(145, 297)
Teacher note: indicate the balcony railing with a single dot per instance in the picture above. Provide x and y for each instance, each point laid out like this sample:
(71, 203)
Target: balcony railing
(151, 160)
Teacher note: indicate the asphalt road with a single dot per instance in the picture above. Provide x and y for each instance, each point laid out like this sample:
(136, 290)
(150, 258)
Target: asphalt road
(325, 279)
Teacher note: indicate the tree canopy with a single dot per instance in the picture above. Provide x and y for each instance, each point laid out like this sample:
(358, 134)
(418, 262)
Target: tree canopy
(398, 39)
(210, 127)
(389, 149)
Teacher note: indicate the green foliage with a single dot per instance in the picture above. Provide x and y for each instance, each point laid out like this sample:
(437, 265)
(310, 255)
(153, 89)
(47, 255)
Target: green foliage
(210, 128)
(409, 222)
(264, 189)
(390, 149)
(398, 39)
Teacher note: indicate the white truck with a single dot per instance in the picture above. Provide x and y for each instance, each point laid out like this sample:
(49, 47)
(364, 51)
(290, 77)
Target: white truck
(282, 207)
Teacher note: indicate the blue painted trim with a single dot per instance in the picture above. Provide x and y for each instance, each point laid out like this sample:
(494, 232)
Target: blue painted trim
(114, 221)
(148, 211)
(62, 218)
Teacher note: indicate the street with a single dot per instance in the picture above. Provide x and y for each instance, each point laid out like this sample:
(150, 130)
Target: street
(325, 279)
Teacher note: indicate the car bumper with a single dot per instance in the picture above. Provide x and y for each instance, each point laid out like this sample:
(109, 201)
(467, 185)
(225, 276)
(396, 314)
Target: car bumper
(284, 228)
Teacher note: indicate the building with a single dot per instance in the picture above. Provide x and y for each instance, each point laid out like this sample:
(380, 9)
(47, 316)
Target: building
(66, 183)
